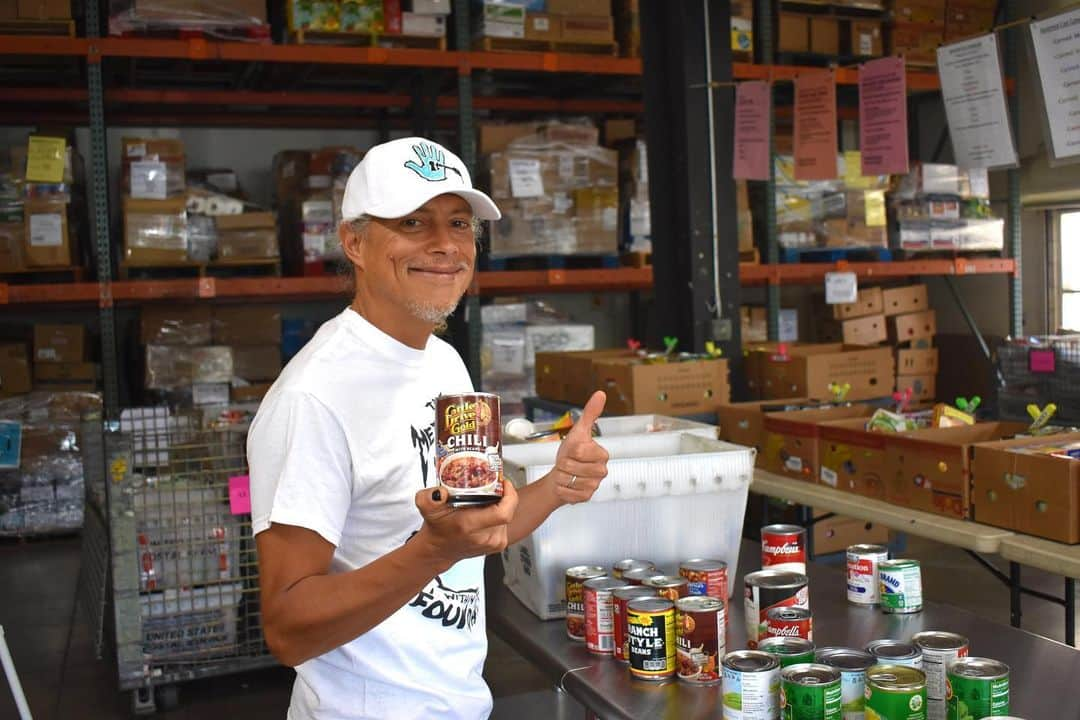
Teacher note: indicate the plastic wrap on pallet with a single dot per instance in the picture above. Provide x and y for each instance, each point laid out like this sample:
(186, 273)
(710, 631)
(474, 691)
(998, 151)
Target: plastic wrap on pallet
(957, 235)
(135, 16)
(172, 366)
(155, 230)
(943, 179)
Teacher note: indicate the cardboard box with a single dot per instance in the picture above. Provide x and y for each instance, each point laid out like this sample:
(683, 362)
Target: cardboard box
(541, 26)
(248, 393)
(851, 458)
(917, 43)
(587, 29)
(248, 235)
(44, 9)
(628, 27)
(923, 387)
(14, 369)
(569, 376)
(919, 11)
(59, 343)
(755, 358)
(59, 372)
(256, 362)
(917, 361)
(913, 327)
(419, 25)
(1035, 494)
(593, 8)
(675, 388)
(46, 242)
(808, 370)
(929, 469)
(11, 247)
(744, 423)
(247, 325)
(754, 323)
(169, 367)
(176, 324)
(169, 152)
(617, 130)
(825, 35)
(155, 232)
(790, 439)
(428, 7)
(869, 330)
(903, 300)
(838, 533)
(865, 38)
(794, 33)
(870, 301)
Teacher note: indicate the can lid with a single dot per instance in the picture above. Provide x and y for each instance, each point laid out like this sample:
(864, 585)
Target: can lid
(939, 640)
(699, 603)
(783, 529)
(784, 645)
(703, 564)
(845, 658)
(865, 549)
(665, 581)
(606, 583)
(893, 650)
(632, 592)
(979, 668)
(650, 604)
(896, 677)
(788, 613)
(584, 572)
(640, 574)
(810, 674)
(776, 579)
(631, 564)
(750, 661)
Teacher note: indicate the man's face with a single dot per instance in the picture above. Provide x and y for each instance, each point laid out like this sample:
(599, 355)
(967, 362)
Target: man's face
(421, 264)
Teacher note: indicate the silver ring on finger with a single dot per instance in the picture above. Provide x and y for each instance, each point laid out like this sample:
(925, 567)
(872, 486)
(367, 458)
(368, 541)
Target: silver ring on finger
(573, 479)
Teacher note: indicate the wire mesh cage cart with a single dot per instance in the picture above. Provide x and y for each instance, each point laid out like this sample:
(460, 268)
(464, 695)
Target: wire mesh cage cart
(177, 589)
(1040, 370)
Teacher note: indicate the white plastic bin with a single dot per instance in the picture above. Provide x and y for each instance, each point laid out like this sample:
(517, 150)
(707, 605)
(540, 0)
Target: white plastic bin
(620, 425)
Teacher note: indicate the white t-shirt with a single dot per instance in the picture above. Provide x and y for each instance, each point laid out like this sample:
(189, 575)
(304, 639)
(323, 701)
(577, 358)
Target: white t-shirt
(341, 444)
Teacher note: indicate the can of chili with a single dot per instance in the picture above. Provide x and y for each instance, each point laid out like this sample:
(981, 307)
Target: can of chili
(706, 577)
(599, 623)
(619, 600)
(701, 638)
(638, 576)
(671, 587)
(575, 598)
(468, 456)
(629, 564)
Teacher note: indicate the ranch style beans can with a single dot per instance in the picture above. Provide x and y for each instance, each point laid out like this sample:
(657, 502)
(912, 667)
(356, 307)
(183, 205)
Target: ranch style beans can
(621, 567)
(896, 652)
(619, 599)
(638, 576)
(766, 589)
(810, 691)
(900, 582)
(575, 598)
(706, 577)
(599, 625)
(700, 638)
(789, 622)
(895, 692)
(650, 632)
(751, 686)
(862, 573)
(938, 650)
(468, 456)
(671, 587)
(977, 687)
(788, 650)
(852, 665)
(783, 547)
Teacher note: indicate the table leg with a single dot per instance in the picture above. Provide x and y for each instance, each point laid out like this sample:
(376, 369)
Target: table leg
(1070, 611)
(1014, 594)
(806, 519)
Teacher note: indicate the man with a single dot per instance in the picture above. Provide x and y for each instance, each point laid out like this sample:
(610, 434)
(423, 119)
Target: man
(372, 585)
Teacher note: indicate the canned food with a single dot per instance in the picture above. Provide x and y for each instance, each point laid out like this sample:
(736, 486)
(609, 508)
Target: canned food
(751, 686)
(701, 639)
(977, 687)
(706, 577)
(575, 598)
(650, 629)
(938, 650)
(896, 652)
(789, 622)
(900, 582)
(788, 650)
(852, 665)
(622, 566)
(599, 627)
(895, 692)
(766, 589)
(671, 587)
(783, 547)
(638, 576)
(809, 691)
(468, 455)
(862, 573)
(619, 599)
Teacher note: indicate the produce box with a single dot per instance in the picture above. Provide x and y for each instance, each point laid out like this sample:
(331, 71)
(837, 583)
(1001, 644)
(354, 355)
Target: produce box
(59, 343)
(836, 534)
(586, 29)
(869, 330)
(569, 376)
(671, 388)
(11, 247)
(923, 387)
(743, 423)
(852, 458)
(903, 300)
(916, 361)
(791, 439)
(913, 327)
(808, 370)
(869, 301)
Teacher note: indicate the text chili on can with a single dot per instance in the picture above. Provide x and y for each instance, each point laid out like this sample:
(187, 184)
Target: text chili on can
(599, 627)
(783, 547)
(766, 589)
(468, 455)
(619, 600)
(650, 630)
(700, 638)
(575, 598)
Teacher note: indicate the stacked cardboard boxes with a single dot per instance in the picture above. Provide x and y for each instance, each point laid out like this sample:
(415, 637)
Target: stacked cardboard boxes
(830, 35)
(912, 326)
(60, 363)
(944, 207)
(154, 203)
(754, 324)
(918, 30)
(813, 370)
(967, 18)
(579, 22)
(35, 10)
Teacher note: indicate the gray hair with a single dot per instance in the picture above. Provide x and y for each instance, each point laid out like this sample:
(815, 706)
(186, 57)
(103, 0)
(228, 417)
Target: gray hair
(359, 225)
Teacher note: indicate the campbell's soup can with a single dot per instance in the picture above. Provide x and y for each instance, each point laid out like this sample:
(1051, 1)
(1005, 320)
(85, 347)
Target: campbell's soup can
(599, 618)
(575, 598)
(701, 638)
(468, 455)
(767, 589)
(783, 547)
(706, 577)
(863, 563)
(789, 622)
(619, 600)
(623, 566)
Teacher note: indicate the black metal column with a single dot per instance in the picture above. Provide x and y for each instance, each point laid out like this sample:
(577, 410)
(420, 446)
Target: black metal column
(685, 47)
(1013, 239)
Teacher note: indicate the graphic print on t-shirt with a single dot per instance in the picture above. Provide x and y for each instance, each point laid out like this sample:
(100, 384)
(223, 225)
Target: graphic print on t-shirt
(451, 608)
(423, 439)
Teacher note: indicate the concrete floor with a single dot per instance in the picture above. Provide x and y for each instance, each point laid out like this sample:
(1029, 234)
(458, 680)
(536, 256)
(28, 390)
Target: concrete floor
(53, 651)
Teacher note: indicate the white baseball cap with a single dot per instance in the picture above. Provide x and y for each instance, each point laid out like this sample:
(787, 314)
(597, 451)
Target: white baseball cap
(399, 176)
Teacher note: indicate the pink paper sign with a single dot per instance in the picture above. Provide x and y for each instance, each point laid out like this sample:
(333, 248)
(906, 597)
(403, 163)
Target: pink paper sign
(240, 495)
(815, 125)
(1042, 361)
(753, 103)
(883, 133)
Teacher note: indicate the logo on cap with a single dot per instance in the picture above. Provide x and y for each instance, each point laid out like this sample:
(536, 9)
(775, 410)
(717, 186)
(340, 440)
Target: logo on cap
(431, 166)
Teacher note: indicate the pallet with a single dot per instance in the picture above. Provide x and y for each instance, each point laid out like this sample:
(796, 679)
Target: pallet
(30, 276)
(269, 267)
(58, 28)
(492, 44)
(363, 39)
(551, 262)
(948, 254)
(259, 34)
(831, 255)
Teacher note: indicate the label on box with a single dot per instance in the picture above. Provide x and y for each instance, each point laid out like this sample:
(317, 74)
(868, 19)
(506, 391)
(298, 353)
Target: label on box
(136, 150)
(240, 495)
(508, 357)
(47, 230)
(148, 180)
(841, 288)
(788, 330)
(794, 464)
(47, 354)
(10, 443)
(829, 477)
(979, 182)
(525, 178)
(314, 245)
(210, 394)
(563, 203)
(45, 159)
(875, 208)
(742, 34)
(541, 24)
(866, 43)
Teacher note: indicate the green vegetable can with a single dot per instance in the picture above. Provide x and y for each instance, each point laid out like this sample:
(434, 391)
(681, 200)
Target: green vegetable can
(977, 688)
(810, 692)
(788, 650)
(895, 692)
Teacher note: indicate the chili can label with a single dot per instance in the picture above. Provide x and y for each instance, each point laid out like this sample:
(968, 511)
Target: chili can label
(468, 457)
(701, 639)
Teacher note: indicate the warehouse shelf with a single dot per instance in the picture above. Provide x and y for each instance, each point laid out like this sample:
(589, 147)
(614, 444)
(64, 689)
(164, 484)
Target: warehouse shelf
(804, 273)
(511, 282)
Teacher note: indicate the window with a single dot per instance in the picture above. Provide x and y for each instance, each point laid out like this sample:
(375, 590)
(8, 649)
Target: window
(1069, 235)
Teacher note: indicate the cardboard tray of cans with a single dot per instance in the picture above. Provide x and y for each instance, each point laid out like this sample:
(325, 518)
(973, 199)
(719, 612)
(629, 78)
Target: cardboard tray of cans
(667, 497)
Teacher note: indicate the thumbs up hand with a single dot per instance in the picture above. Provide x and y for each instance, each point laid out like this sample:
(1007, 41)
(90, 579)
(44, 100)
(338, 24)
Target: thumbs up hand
(581, 462)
